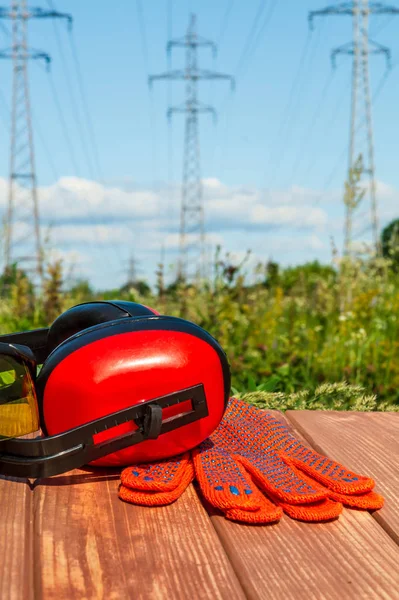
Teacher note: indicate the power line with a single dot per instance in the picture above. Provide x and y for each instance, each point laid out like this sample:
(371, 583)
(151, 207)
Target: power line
(333, 115)
(250, 37)
(6, 122)
(73, 104)
(225, 21)
(150, 105)
(260, 34)
(74, 161)
(169, 35)
(5, 30)
(256, 33)
(143, 33)
(76, 168)
(248, 44)
(88, 120)
(330, 177)
(45, 148)
(90, 132)
(64, 127)
(144, 48)
(309, 130)
(284, 121)
(87, 112)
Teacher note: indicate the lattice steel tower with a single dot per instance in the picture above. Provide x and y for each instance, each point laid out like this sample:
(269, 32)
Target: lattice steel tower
(361, 139)
(22, 227)
(192, 228)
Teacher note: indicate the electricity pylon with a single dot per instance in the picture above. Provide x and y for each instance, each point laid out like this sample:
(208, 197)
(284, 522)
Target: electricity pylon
(361, 118)
(22, 226)
(192, 227)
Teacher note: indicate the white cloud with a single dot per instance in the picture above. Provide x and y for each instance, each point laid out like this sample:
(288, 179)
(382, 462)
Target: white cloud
(96, 227)
(78, 201)
(288, 215)
(74, 199)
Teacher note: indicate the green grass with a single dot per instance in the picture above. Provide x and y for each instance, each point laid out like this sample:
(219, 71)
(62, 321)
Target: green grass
(286, 335)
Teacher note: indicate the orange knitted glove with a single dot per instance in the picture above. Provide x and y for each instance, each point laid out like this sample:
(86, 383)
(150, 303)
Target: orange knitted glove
(253, 452)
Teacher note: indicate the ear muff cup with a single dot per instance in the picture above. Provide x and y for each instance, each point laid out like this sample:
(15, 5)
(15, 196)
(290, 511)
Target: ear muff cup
(86, 315)
(124, 362)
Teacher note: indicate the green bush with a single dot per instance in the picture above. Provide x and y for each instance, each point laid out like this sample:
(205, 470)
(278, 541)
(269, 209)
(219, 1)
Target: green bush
(293, 338)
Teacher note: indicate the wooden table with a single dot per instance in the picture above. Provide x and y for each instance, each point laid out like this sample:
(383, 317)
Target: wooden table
(71, 537)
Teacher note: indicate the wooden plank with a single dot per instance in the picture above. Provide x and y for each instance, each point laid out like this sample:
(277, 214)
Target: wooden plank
(351, 557)
(365, 442)
(16, 534)
(92, 545)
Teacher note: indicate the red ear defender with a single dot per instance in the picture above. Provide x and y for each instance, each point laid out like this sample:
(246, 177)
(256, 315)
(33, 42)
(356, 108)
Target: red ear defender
(117, 364)
(119, 384)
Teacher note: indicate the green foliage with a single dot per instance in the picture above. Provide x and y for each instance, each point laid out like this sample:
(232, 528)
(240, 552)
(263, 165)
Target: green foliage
(141, 287)
(290, 337)
(390, 243)
(328, 396)
(81, 291)
(304, 278)
(52, 292)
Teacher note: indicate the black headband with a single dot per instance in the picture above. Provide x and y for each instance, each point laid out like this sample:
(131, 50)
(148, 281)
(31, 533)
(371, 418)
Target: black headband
(36, 340)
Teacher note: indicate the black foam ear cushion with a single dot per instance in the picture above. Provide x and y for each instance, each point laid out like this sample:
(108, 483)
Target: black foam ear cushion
(86, 315)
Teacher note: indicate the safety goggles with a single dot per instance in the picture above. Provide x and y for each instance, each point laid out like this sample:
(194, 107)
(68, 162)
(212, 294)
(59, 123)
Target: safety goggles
(18, 404)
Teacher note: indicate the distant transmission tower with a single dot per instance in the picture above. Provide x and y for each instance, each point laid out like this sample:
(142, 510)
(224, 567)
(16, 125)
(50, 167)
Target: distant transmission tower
(192, 228)
(361, 139)
(131, 272)
(22, 227)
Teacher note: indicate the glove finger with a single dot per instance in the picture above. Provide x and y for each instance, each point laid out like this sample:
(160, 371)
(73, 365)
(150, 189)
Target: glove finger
(161, 476)
(261, 432)
(367, 501)
(268, 513)
(329, 473)
(223, 481)
(313, 511)
(324, 510)
(280, 480)
(315, 507)
(154, 498)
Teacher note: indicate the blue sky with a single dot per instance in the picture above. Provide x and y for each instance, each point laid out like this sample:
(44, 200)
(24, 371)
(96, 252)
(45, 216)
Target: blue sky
(273, 165)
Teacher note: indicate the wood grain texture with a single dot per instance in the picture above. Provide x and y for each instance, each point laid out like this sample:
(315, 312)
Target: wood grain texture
(16, 536)
(16, 524)
(365, 442)
(352, 557)
(92, 545)
(71, 537)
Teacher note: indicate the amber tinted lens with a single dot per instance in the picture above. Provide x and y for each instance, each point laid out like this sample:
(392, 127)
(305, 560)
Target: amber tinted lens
(18, 405)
